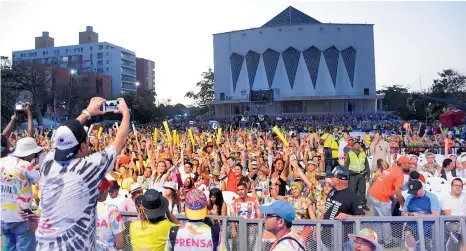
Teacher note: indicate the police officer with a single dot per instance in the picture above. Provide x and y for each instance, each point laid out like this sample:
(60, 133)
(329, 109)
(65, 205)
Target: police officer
(358, 171)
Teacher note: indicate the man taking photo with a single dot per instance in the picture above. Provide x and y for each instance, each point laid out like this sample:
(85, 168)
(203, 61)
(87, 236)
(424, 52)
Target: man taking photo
(69, 182)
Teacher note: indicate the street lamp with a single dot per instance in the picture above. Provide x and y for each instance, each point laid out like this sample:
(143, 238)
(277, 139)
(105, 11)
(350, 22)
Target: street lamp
(136, 84)
(72, 72)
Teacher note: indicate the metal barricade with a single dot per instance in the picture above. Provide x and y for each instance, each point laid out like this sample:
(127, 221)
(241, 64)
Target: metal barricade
(444, 233)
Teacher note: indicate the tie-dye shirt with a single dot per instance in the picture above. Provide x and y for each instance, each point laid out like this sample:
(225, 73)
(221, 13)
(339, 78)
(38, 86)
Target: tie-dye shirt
(288, 244)
(109, 224)
(69, 193)
(16, 176)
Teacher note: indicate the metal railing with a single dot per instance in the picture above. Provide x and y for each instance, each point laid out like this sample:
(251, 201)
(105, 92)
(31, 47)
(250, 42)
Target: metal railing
(444, 233)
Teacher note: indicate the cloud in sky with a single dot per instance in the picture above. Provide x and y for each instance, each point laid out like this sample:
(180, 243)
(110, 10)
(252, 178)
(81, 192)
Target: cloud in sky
(412, 39)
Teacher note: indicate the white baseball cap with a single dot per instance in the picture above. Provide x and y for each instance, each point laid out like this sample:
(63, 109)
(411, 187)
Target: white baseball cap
(25, 147)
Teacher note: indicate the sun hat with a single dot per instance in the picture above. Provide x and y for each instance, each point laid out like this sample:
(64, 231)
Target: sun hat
(368, 235)
(195, 204)
(154, 204)
(25, 147)
(135, 187)
(67, 138)
(171, 185)
(284, 209)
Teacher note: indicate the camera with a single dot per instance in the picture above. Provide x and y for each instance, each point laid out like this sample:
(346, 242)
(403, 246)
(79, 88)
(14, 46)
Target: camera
(19, 107)
(110, 106)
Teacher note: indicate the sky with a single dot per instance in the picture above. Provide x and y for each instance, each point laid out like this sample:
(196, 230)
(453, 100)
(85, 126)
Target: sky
(413, 40)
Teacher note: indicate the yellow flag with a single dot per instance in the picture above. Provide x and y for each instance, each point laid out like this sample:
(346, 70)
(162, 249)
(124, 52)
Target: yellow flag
(191, 136)
(277, 131)
(167, 130)
(219, 135)
(156, 135)
(99, 134)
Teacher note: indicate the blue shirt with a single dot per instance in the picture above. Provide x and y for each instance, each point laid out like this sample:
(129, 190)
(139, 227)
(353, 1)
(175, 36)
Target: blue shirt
(425, 204)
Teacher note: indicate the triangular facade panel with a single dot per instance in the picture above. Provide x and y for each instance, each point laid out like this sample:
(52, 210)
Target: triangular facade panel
(312, 59)
(270, 58)
(290, 16)
(252, 61)
(291, 59)
(331, 57)
(349, 58)
(236, 62)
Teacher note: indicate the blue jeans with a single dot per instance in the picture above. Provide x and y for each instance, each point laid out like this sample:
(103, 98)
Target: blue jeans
(18, 236)
(382, 209)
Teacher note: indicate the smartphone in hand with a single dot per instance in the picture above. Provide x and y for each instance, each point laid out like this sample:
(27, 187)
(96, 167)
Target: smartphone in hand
(27, 211)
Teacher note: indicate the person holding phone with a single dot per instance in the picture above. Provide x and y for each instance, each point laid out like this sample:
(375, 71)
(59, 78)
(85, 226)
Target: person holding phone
(68, 212)
(17, 175)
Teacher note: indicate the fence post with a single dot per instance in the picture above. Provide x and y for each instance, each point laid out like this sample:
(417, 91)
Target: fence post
(318, 233)
(441, 229)
(243, 245)
(260, 235)
(224, 231)
(357, 226)
(338, 236)
(463, 229)
(439, 234)
(420, 230)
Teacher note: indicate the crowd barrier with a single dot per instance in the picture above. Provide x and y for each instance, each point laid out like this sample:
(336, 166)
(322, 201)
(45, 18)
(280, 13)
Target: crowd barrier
(444, 233)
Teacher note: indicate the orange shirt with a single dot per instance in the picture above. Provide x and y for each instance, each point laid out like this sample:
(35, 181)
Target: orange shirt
(232, 182)
(384, 186)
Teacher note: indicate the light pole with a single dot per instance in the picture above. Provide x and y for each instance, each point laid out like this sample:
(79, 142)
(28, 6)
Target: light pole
(136, 84)
(72, 72)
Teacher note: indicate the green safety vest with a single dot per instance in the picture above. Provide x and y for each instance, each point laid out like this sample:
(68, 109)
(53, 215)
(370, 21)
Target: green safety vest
(357, 163)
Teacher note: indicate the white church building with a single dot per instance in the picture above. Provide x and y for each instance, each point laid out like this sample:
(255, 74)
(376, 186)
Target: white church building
(295, 64)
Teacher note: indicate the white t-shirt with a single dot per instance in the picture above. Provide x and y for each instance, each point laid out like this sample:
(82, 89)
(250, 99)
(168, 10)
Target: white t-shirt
(16, 176)
(69, 200)
(194, 236)
(457, 206)
(109, 224)
(117, 201)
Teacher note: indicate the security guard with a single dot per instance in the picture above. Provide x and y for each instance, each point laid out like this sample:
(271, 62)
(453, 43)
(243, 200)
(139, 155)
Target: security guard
(359, 172)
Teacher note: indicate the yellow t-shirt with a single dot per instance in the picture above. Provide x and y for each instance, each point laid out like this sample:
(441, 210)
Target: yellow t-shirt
(367, 140)
(151, 237)
(328, 139)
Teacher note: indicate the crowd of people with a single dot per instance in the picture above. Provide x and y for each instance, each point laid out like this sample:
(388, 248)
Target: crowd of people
(81, 179)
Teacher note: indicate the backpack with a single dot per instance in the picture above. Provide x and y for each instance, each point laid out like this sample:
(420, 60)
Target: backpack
(293, 239)
(214, 230)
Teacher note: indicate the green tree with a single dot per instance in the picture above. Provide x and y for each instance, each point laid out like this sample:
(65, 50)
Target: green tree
(395, 98)
(203, 95)
(142, 105)
(450, 84)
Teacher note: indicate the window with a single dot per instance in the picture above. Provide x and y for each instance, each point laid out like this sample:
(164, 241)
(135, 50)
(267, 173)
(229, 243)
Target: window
(100, 55)
(222, 96)
(107, 62)
(106, 69)
(366, 91)
(91, 48)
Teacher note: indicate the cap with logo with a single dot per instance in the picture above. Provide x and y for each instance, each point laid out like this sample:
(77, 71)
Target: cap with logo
(414, 186)
(67, 138)
(340, 172)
